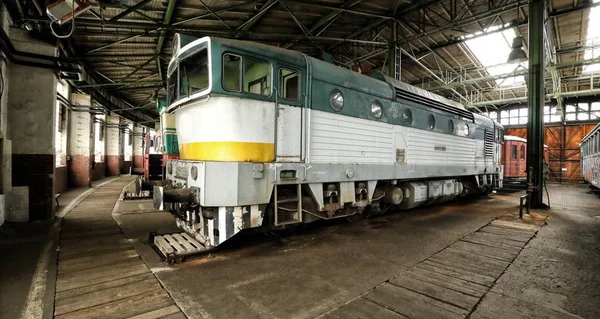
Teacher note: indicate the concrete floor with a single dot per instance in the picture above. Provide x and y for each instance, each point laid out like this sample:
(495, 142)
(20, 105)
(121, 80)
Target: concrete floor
(325, 266)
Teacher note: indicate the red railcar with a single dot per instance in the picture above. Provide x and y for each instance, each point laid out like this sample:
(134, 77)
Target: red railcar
(514, 158)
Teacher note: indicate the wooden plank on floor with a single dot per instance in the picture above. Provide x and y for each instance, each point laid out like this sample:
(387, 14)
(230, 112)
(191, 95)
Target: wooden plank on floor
(102, 286)
(104, 296)
(90, 261)
(178, 315)
(412, 304)
(508, 233)
(457, 262)
(457, 273)
(99, 275)
(474, 259)
(95, 251)
(449, 282)
(96, 232)
(364, 309)
(159, 313)
(453, 297)
(483, 250)
(516, 225)
(116, 260)
(492, 240)
(92, 241)
(123, 308)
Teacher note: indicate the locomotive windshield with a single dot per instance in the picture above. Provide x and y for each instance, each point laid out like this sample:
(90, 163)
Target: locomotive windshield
(190, 77)
(193, 74)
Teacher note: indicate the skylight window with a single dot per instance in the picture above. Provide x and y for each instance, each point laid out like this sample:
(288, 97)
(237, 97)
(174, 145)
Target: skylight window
(492, 51)
(593, 39)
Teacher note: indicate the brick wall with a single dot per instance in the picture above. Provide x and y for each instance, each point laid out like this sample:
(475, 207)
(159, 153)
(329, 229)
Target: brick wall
(99, 171)
(60, 179)
(138, 163)
(80, 171)
(36, 171)
(125, 166)
(113, 164)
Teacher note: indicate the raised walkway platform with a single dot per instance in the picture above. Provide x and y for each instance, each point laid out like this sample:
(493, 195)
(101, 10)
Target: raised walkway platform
(100, 275)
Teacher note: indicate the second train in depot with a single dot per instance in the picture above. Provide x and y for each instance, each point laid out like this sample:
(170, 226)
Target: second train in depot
(270, 138)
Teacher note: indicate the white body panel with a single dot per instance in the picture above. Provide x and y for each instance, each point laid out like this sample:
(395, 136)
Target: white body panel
(337, 138)
(245, 120)
(289, 133)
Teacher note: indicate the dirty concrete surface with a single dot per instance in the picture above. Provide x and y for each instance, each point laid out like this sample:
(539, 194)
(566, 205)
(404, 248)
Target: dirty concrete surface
(326, 267)
(312, 271)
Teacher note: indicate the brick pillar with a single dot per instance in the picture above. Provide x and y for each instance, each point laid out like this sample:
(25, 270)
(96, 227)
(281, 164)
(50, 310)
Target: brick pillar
(138, 148)
(114, 149)
(81, 145)
(31, 127)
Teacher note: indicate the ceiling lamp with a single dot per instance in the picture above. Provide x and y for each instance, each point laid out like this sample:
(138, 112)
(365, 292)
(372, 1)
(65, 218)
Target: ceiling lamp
(517, 55)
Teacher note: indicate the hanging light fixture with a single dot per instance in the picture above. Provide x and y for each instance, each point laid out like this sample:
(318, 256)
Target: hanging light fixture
(517, 54)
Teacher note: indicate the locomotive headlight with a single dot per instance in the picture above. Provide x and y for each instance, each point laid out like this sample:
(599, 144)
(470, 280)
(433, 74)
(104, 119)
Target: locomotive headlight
(336, 100)
(377, 109)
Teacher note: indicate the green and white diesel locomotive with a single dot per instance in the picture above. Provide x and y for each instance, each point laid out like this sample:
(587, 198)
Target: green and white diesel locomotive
(270, 137)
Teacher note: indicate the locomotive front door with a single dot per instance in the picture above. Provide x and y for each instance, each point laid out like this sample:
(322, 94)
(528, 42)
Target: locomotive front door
(289, 115)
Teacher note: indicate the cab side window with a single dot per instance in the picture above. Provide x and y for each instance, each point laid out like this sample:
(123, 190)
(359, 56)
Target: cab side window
(513, 152)
(257, 76)
(289, 84)
(232, 69)
(246, 74)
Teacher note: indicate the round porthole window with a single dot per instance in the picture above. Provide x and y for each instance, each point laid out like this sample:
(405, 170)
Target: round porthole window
(450, 126)
(407, 117)
(377, 110)
(336, 100)
(431, 121)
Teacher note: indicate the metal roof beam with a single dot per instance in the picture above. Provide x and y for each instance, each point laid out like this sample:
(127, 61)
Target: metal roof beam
(328, 19)
(221, 32)
(161, 37)
(129, 10)
(97, 85)
(138, 68)
(108, 45)
(246, 26)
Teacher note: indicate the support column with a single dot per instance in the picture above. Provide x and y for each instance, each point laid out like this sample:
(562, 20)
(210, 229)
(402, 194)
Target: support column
(394, 56)
(114, 149)
(81, 135)
(4, 24)
(127, 142)
(138, 148)
(31, 127)
(536, 92)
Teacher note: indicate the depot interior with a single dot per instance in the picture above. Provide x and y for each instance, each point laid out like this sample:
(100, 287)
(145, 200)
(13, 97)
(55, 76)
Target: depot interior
(81, 101)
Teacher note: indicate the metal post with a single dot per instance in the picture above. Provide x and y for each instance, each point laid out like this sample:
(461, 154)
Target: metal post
(393, 59)
(536, 93)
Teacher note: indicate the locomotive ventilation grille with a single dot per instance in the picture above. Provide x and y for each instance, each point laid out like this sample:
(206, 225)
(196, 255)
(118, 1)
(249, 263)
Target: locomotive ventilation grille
(446, 108)
(489, 143)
